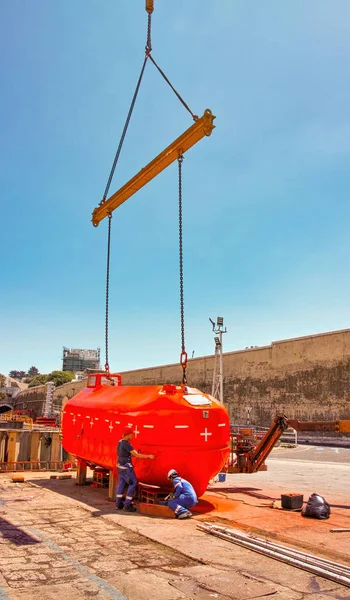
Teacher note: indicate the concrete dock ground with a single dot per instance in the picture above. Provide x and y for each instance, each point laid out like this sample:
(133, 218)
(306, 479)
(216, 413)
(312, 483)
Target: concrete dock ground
(60, 540)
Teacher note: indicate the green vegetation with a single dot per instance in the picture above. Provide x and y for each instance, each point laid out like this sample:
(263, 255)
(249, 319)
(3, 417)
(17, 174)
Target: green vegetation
(58, 377)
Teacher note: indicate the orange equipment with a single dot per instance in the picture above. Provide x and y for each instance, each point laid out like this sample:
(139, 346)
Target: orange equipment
(185, 429)
(200, 128)
(251, 457)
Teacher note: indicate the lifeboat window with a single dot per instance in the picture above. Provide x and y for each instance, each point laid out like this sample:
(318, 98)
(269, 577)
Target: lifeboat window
(91, 381)
(197, 400)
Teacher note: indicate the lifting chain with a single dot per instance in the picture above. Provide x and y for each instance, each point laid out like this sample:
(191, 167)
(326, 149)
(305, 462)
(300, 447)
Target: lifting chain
(107, 290)
(194, 117)
(116, 158)
(121, 142)
(148, 49)
(183, 355)
(149, 9)
(149, 25)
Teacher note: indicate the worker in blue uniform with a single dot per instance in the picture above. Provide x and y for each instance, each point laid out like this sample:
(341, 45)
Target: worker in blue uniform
(126, 473)
(183, 498)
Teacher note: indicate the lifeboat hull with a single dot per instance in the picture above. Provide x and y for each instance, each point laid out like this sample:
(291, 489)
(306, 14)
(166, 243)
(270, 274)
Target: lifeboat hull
(185, 429)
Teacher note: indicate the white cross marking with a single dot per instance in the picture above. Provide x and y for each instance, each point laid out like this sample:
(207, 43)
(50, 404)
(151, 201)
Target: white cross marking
(136, 431)
(206, 433)
(110, 427)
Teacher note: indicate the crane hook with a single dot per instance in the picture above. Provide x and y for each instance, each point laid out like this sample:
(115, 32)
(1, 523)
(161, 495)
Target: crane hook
(149, 6)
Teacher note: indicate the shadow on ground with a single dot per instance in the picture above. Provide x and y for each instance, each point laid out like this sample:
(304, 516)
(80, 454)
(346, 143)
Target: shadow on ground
(97, 498)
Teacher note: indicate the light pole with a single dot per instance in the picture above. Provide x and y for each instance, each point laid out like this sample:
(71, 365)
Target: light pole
(218, 379)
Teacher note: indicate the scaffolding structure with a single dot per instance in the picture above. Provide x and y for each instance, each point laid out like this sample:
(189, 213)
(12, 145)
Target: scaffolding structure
(77, 359)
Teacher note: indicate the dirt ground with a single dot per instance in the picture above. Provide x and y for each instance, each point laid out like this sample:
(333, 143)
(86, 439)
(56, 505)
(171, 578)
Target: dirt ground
(60, 540)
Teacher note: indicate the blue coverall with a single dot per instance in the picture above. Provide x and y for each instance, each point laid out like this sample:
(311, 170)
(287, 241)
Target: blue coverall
(126, 473)
(184, 496)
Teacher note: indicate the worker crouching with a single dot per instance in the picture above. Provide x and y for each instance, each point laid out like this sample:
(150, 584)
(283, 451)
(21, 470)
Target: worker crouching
(183, 497)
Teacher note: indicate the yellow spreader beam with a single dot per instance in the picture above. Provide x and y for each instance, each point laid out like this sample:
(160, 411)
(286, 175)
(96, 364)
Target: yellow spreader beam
(202, 126)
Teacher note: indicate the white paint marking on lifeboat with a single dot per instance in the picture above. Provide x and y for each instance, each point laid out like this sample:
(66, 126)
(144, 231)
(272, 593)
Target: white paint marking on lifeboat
(136, 431)
(181, 426)
(149, 426)
(206, 433)
(110, 427)
(74, 419)
(91, 422)
(117, 422)
(78, 415)
(96, 418)
(107, 420)
(72, 413)
(221, 424)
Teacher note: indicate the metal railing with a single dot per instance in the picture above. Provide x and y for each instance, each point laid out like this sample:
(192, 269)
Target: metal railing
(10, 416)
(40, 465)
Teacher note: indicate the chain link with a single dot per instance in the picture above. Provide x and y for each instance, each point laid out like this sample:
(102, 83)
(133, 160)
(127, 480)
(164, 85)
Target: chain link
(183, 357)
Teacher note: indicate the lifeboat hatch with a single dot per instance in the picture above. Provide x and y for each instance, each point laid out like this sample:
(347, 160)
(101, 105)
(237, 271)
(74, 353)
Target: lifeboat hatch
(197, 400)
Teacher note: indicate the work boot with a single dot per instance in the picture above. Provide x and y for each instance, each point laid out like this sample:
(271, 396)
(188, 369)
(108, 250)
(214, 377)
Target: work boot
(185, 515)
(130, 508)
(119, 505)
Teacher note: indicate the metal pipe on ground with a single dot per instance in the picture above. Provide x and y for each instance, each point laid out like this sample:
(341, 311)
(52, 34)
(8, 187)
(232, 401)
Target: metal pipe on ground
(327, 571)
(313, 559)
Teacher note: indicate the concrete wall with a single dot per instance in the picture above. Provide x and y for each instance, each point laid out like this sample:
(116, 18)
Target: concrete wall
(31, 399)
(306, 378)
(34, 398)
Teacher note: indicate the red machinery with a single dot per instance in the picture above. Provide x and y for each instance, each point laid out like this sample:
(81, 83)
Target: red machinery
(184, 428)
(248, 454)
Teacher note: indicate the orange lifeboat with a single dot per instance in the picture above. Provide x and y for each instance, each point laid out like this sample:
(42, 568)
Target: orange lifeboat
(184, 428)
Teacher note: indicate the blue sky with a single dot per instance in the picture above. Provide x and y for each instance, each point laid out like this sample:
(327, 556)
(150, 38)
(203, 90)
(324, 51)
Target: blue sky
(266, 209)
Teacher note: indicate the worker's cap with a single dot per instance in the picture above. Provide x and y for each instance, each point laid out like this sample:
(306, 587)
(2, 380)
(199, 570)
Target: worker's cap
(172, 473)
(127, 430)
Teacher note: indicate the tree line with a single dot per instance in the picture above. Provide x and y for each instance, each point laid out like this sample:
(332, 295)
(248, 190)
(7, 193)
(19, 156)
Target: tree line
(33, 377)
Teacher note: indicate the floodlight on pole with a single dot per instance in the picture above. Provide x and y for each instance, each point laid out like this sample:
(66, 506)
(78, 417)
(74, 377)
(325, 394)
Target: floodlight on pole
(218, 381)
